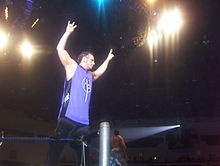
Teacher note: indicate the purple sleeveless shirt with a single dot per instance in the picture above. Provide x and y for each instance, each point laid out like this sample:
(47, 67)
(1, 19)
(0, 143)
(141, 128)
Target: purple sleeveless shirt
(76, 97)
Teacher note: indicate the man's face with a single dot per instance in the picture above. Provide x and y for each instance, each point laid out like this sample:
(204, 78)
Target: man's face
(90, 62)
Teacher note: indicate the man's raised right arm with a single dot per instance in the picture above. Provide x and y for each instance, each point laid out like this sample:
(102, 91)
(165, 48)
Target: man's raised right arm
(64, 56)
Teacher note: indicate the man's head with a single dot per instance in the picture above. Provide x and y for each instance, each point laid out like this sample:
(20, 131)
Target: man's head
(116, 132)
(86, 60)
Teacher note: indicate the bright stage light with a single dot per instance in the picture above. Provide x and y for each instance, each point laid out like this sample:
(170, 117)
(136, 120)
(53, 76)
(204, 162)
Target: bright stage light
(100, 2)
(141, 132)
(3, 39)
(151, 1)
(27, 49)
(153, 37)
(6, 13)
(35, 22)
(170, 22)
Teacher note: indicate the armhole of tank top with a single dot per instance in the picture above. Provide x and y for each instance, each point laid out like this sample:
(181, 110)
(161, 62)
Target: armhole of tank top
(72, 74)
(93, 74)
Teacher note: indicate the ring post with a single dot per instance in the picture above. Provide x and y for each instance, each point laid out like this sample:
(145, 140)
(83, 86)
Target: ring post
(104, 144)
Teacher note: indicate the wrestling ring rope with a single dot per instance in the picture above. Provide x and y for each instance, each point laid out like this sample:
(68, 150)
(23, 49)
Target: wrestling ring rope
(104, 134)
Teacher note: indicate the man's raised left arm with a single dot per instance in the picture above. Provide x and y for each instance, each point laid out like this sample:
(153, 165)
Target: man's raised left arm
(101, 69)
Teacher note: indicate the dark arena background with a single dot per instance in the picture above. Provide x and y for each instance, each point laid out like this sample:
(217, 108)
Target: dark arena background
(161, 90)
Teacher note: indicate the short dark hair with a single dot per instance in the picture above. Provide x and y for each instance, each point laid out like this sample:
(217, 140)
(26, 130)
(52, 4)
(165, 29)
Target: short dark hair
(116, 132)
(81, 55)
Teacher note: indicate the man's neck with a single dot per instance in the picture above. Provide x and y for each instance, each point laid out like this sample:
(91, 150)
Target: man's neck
(83, 66)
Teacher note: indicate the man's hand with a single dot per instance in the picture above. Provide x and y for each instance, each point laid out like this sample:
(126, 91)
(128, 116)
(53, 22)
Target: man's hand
(110, 55)
(70, 27)
(101, 69)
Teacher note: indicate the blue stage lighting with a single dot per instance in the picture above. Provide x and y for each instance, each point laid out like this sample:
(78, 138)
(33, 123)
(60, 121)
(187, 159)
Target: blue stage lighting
(100, 1)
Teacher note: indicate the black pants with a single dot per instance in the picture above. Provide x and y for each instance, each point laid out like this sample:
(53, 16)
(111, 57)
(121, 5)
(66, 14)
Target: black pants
(66, 129)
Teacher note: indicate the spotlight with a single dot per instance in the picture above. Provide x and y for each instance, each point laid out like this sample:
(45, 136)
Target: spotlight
(153, 37)
(176, 126)
(170, 22)
(3, 39)
(6, 13)
(141, 132)
(151, 1)
(27, 49)
(100, 1)
(35, 22)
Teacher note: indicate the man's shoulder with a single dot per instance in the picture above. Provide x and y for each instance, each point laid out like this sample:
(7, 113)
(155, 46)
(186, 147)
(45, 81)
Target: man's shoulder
(117, 137)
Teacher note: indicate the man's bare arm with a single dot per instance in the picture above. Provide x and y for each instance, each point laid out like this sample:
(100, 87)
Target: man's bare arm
(68, 63)
(104, 66)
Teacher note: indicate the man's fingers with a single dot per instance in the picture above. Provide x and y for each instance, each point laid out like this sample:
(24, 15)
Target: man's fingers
(74, 26)
(110, 52)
